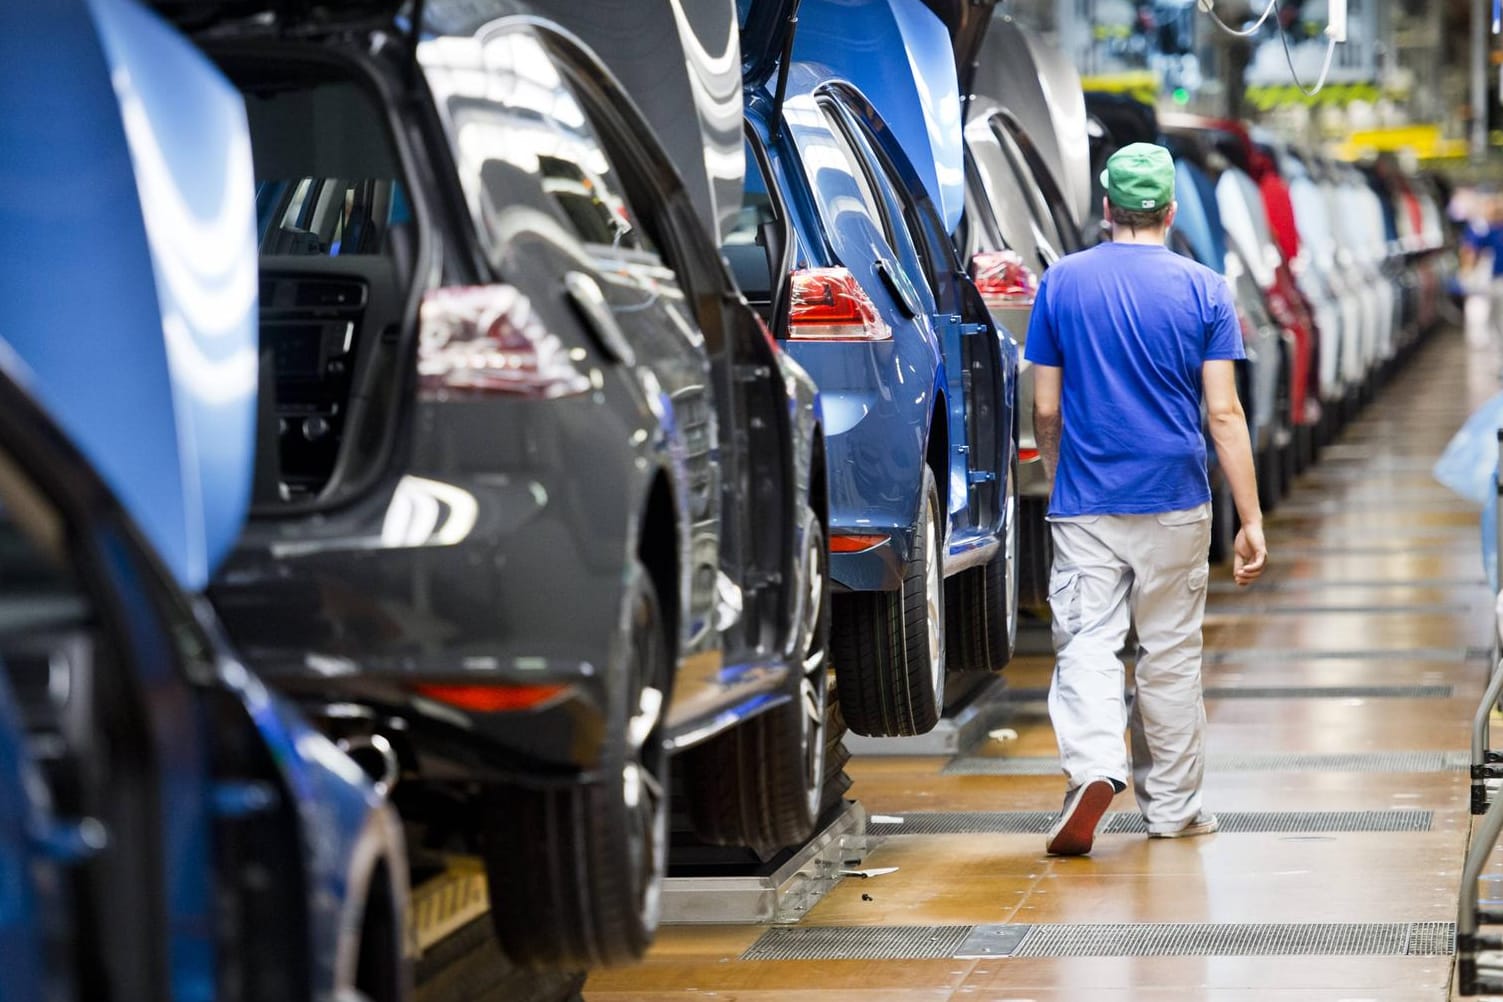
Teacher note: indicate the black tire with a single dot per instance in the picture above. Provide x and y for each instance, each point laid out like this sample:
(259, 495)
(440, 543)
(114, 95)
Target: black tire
(889, 647)
(1306, 450)
(1325, 431)
(382, 973)
(1270, 486)
(837, 780)
(576, 872)
(761, 784)
(1035, 554)
(981, 604)
(1223, 522)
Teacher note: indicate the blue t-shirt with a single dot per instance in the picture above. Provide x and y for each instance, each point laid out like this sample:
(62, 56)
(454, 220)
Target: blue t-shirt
(1130, 326)
(1489, 239)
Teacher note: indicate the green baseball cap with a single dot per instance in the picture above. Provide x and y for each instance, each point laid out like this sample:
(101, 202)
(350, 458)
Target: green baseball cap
(1139, 176)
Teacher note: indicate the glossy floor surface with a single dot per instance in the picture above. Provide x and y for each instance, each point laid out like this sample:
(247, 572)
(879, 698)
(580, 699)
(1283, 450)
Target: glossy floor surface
(1375, 581)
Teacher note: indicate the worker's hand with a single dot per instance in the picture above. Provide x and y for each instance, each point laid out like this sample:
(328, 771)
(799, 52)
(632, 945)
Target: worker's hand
(1250, 555)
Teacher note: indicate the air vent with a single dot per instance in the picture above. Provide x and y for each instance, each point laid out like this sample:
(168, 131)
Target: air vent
(325, 294)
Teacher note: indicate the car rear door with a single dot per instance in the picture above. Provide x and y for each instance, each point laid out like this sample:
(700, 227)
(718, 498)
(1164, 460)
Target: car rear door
(975, 372)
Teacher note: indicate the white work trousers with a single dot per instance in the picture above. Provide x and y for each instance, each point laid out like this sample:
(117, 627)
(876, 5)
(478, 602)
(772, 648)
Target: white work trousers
(1149, 572)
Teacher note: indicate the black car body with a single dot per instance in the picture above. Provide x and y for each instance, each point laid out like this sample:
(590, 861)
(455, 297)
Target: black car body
(540, 500)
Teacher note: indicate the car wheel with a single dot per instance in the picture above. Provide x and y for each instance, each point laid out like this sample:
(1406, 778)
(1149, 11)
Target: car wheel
(1035, 554)
(981, 604)
(1309, 446)
(889, 647)
(1223, 522)
(761, 784)
(1270, 485)
(577, 872)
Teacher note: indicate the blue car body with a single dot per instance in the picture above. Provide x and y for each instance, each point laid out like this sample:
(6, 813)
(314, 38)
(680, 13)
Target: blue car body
(1198, 218)
(127, 401)
(890, 406)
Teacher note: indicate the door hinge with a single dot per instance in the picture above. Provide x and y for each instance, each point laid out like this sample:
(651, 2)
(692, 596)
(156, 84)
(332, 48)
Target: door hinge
(971, 329)
(982, 477)
(752, 373)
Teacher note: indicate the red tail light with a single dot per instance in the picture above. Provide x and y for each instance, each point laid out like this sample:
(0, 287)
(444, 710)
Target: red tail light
(1003, 279)
(488, 339)
(829, 305)
(855, 542)
(491, 698)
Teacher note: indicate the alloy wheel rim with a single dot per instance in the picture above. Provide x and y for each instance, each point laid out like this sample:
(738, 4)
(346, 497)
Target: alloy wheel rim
(1013, 537)
(642, 788)
(813, 692)
(933, 589)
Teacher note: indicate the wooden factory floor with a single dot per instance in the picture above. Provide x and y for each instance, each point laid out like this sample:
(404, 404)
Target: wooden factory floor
(1367, 636)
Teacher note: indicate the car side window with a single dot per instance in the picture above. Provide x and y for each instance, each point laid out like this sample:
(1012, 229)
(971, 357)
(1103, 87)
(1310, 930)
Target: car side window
(1045, 233)
(521, 140)
(894, 211)
(836, 177)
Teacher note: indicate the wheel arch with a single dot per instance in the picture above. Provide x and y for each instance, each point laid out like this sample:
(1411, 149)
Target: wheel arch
(376, 901)
(658, 550)
(937, 452)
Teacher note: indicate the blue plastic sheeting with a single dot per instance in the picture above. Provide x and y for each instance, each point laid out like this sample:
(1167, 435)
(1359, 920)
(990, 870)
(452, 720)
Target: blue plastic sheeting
(898, 54)
(128, 185)
(1469, 466)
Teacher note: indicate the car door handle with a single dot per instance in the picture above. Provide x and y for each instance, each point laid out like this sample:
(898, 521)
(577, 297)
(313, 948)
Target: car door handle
(895, 287)
(589, 302)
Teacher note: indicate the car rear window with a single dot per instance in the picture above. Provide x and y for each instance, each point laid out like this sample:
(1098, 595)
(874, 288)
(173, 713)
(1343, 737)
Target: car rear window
(327, 182)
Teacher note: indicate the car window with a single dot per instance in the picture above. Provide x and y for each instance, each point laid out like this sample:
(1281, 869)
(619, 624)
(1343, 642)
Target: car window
(742, 247)
(38, 588)
(892, 203)
(998, 187)
(1045, 232)
(521, 140)
(327, 178)
(849, 176)
(1054, 201)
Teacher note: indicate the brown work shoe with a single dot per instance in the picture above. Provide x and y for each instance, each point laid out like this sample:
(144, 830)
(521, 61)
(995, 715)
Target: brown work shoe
(1075, 830)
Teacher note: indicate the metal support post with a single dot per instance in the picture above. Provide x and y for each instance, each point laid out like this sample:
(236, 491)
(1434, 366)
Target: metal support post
(1481, 37)
(1469, 943)
(1486, 763)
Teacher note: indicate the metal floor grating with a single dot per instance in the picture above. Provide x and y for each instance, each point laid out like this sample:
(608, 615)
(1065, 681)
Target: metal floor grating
(1324, 584)
(1039, 694)
(967, 765)
(1391, 939)
(1350, 609)
(1131, 823)
(1255, 656)
(912, 942)
(1187, 939)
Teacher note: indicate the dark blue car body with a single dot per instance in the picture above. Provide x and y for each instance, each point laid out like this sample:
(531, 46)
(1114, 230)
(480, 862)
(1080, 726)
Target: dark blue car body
(856, 179)
(150, 787)
(889, 405)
